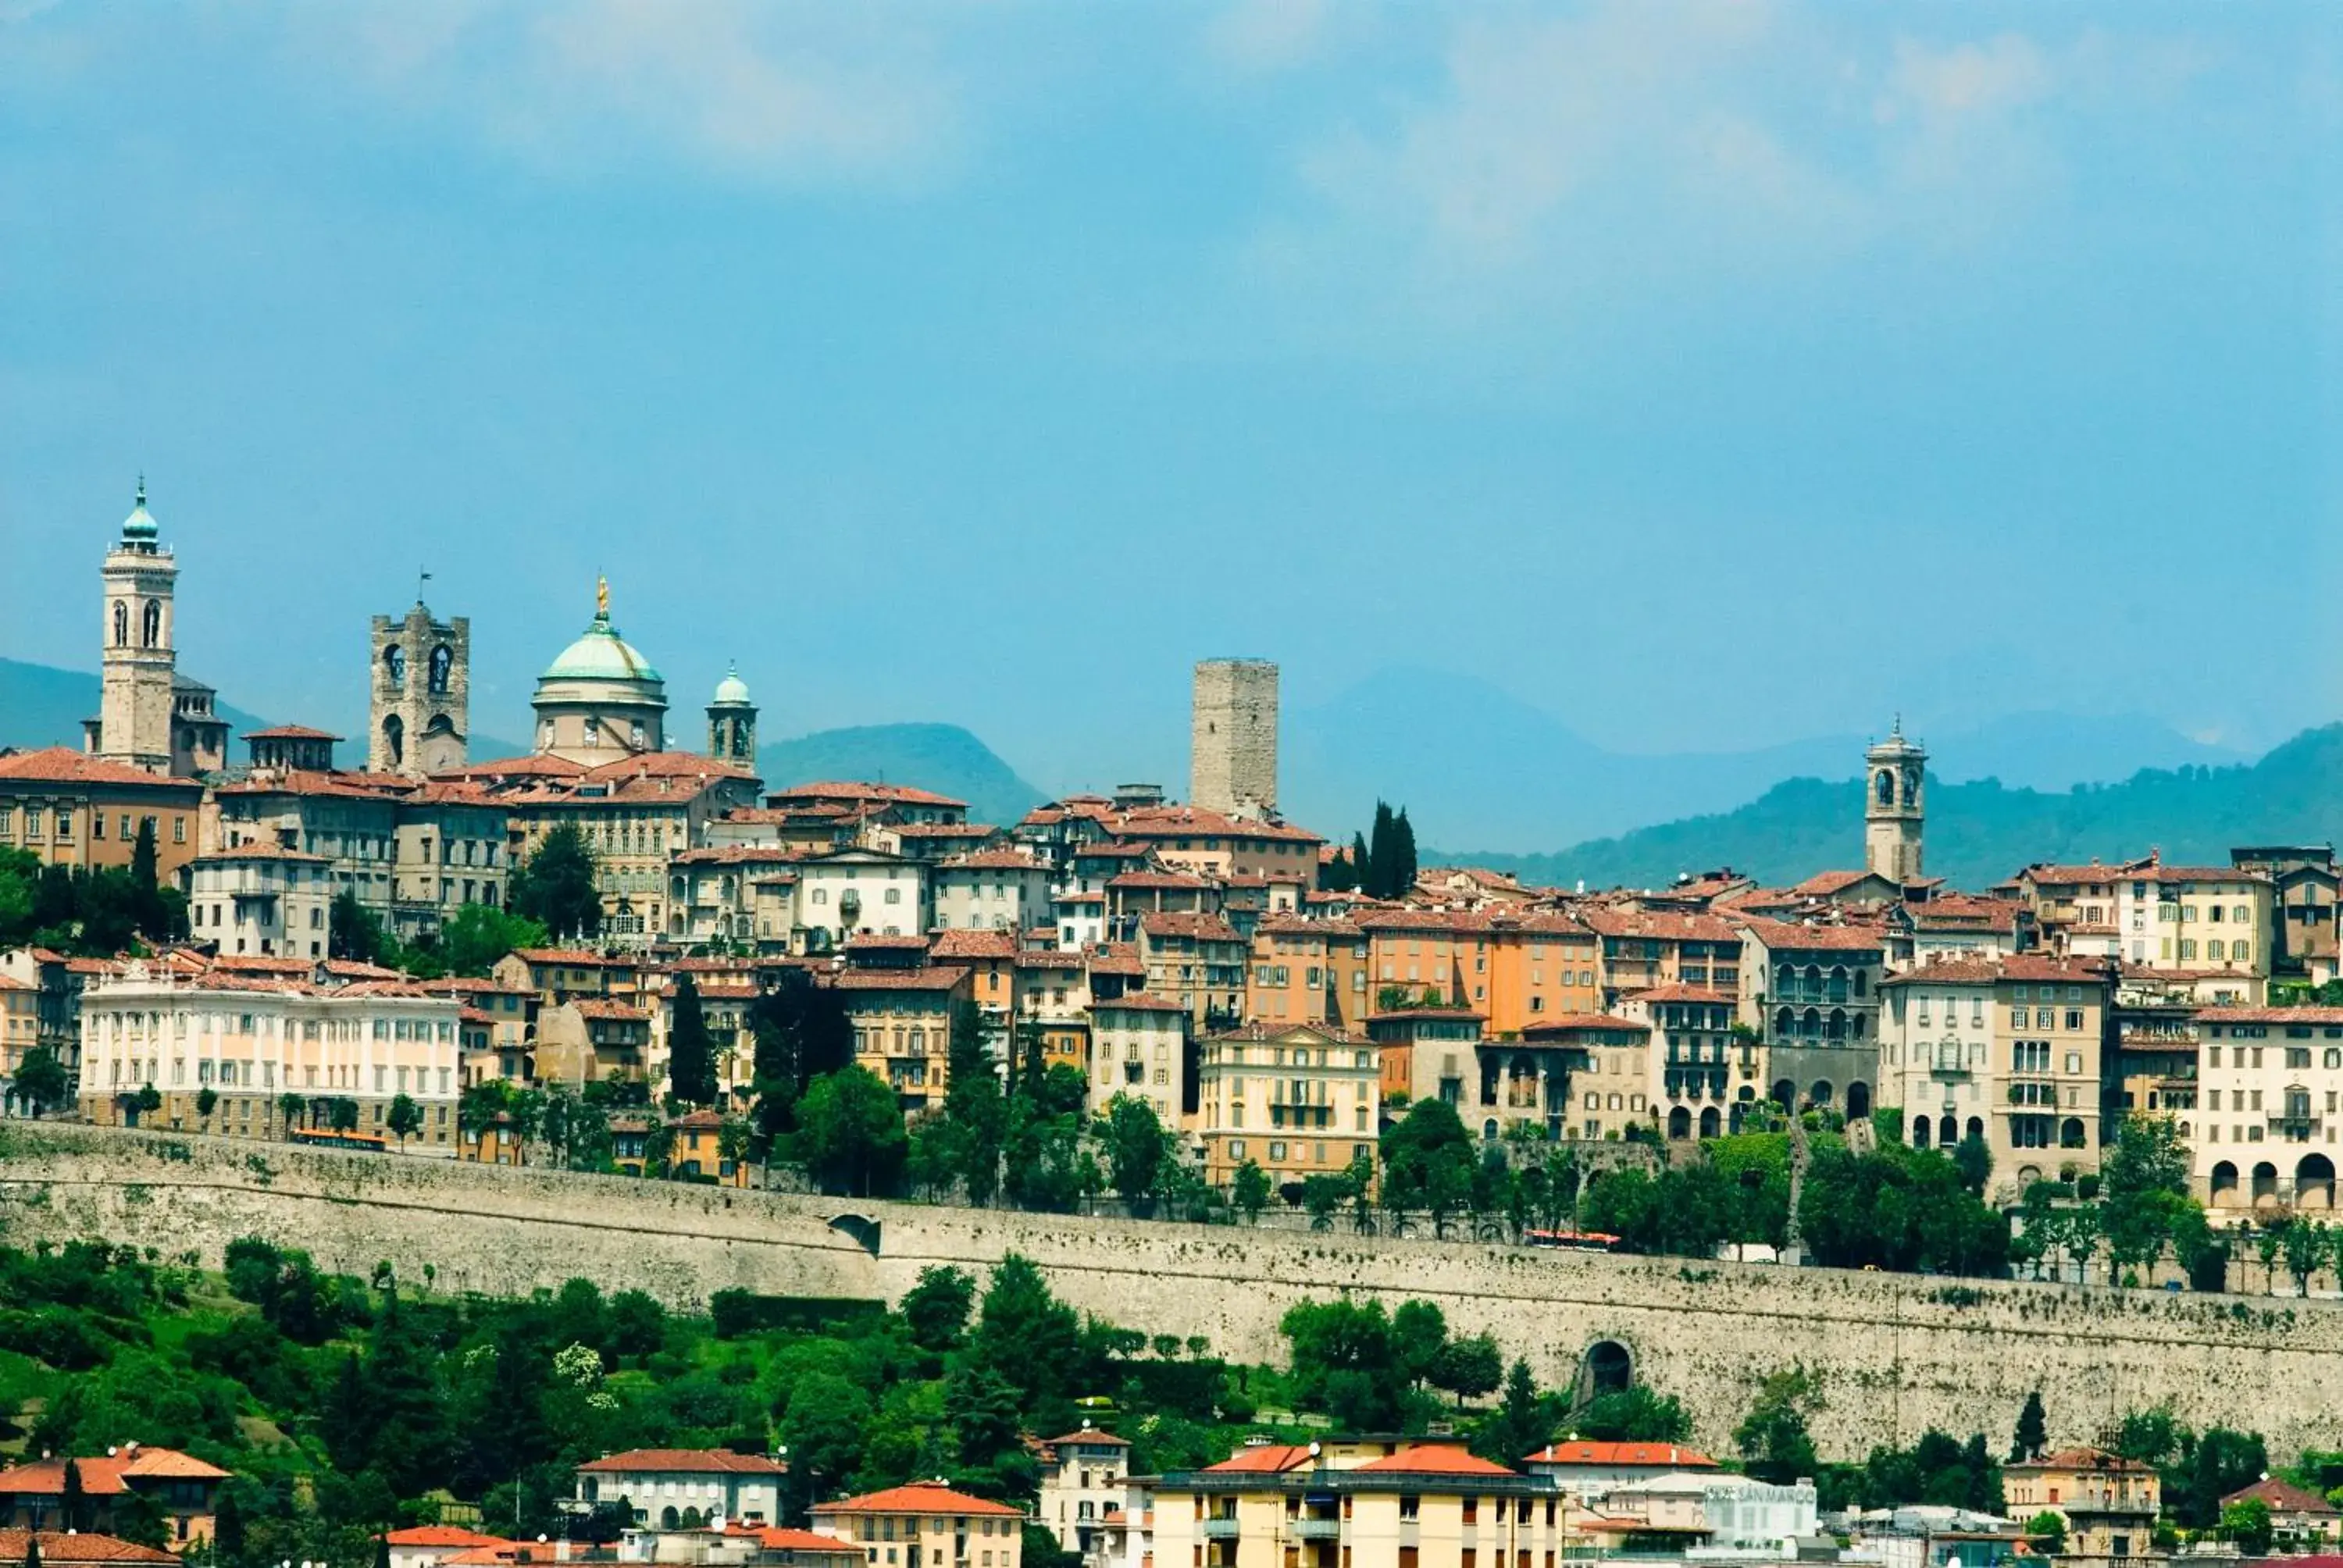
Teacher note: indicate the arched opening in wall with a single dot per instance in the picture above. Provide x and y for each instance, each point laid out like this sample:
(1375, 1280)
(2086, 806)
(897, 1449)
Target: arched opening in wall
(1948, 1131)
(394, 739)
(864, 1230)
(150, 625)
(2224, 1184)
(1858, 1101)
(1883, 786)
(394, 665)
(1708, 1123)
(1975, 1129)
(1679, 1124)
(669, 1517)
(121, 624)
(1786, 1094)
(1820, 1094)
(2264, 1185)
(443, 660)
(1608, 1367)
(2314, 1182)
(2070, 1134)
(1489, 1130)
(2027, 1175)
(1920, 1139)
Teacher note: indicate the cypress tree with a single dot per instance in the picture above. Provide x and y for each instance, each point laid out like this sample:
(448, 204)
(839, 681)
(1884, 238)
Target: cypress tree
(691, 1055)
(1380, 849)
(1362, 869)
(1402, 873)
(75, 1502)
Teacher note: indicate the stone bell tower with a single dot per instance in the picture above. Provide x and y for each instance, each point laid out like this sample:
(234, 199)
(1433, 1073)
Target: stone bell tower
(419, 713)
(1893, 803)
(139, 664)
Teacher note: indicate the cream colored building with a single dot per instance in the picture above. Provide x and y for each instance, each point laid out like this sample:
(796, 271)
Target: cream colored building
(252, 1041)
(2007, 1049)
(1296, 1101)
(992, 889)
(2110, 1503)
(926, 1524)
(2263, 1133)
(1139, 1047)
(1361, 1505)
(1610, 1090)
(261, 898)
(2207, 923)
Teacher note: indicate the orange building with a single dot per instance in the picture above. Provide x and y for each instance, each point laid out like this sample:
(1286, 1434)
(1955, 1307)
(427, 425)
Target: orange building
(1312, 972)
(69, 809)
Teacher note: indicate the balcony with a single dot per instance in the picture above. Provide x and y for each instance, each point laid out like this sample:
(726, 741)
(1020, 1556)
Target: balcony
(1218, 1529)
(1309, 1529)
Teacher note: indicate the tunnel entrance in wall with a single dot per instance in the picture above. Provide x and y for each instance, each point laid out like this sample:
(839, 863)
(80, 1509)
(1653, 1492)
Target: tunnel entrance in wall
(864, 1230)
(1607, 1367)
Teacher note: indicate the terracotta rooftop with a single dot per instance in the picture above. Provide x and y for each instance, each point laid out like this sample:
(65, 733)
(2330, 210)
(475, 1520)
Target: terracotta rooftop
(918, 1497)
(63, 765)
(683, 1461)
(1665, 1455)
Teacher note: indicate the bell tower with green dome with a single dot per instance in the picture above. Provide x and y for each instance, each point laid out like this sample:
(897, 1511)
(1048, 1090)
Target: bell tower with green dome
(139, 665)
(600, 701)
(733, 721)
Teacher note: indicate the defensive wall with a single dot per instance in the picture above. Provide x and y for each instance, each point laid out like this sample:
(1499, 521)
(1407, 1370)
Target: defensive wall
(1891, 1354)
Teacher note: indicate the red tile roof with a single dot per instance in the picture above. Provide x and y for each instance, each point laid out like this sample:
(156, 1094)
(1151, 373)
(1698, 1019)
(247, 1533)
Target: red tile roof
(1093, 1436)
(2093, 1460)
(1194, 821)
(63, 765)
(1662, 1454)
(1434, 1459)
(290, 732)
(1138, 1002)
(1180, 923)
(968, 944)
(929, 979)
(918, 1497)
(106, 1475)
(1691, 993)
(1786, 936)
(64, 1546)
(856, 791)
(1264, 1459)
(442, 1535)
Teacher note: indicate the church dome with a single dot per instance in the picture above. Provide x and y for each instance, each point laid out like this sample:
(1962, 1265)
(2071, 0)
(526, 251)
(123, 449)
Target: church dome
(731, 691)
(602, 654)
(138, 528)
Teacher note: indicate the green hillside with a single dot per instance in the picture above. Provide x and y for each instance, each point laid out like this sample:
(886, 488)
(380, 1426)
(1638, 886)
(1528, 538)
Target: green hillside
(41, 706)
(940, 756)
(1980, 832)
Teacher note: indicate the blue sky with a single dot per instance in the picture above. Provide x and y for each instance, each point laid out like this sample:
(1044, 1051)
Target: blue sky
(1707, 374)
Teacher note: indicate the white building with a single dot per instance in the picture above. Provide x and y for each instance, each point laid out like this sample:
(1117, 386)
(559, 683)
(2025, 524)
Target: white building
(993, 889)
(664, 1485)
(261, 898)
(1082, 1484)
(1139, 1047)
(251, 1037)
(848, 891)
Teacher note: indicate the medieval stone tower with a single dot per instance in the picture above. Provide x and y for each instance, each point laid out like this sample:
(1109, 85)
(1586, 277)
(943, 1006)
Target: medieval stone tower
(419, 713)
(1894, 802)
(1232, 738)
(134, 688)
(733, 721)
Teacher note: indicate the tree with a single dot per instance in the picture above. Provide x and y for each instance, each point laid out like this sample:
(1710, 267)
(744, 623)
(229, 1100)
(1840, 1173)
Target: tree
(207, 1102)
(1362, 873)
(1381, 857)
(342, 1115)
(937, 1308)
(557, 885)
(355, 932)
(2247, 1523)
(1468, 1368)
(1773, 1438)
(152, 914)
(849, 1135)
(2307, 1244)
(405, 1118)
(691, 1054)
(1974, 1161)
(289, 1108)
(1521, 1425)
(1401, 876)
(1428, 1163)
(1634, 1415)
(2033, 1430)
(1137, 1147)
(476, 936)
(2048, 1531)
(41, 1084)
(73, 1503)
(1250, 1190)
(1032, 1338)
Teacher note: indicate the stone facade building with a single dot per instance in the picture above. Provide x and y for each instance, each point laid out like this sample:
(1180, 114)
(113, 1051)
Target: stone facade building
(1232, 738)
(418, 713)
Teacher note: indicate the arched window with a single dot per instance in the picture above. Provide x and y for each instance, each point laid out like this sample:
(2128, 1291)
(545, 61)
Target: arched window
(1858, 1101)
(1821, 1093)
(393, 664)
(2070, 1134)
(443, 660)
(150, 624)
(394, 739)
(1708, 1123)
(121, 624)
(1882, 784)
(1489, 1130)
(1919, 1133)
(1948, 1131)
(1679, 1122)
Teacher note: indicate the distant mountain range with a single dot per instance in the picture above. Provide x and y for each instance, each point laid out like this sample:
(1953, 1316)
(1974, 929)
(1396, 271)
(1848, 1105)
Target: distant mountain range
(40, 705)
(1977, 832)
(1475, 765)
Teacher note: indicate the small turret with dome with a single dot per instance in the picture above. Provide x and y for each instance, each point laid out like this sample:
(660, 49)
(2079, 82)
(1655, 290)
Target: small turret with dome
(732, 720)
(600, 700)
(139, 533)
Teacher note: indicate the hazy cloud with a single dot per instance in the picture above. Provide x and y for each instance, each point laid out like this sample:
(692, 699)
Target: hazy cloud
(1267, 34)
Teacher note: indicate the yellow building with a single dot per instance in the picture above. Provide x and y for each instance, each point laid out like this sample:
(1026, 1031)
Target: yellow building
(926, 1524)
(902, 1026)
(1333, 1507)
(1296, 1102)
(2109, 1502)
(69, 809)
(20, 1023)
(1611, 1091)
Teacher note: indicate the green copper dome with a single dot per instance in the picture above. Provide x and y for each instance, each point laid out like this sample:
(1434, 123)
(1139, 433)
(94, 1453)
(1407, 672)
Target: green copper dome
(602, 654)
(138, 528)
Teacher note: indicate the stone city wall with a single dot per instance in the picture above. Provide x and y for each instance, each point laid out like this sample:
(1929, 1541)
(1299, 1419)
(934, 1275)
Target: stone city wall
(1892, 1354)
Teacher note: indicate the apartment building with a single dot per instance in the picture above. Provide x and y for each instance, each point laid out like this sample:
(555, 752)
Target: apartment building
(1296, 1101)
(2110, 1503)
(925, 1525)
(67, 808)
(251, 1039)
(2266, 1127)
(1704, 1076)
(1139, 1047)
(2213, 923)
(902, 1026)
(1199, 960)
(1213, 844)
(1813, 990)
(1607, 1062)
(261, 897)
(1083, 1480)
(1541, 965)
(1645, 949)
(1330, 1506)
(1307, 970)
(994, 889)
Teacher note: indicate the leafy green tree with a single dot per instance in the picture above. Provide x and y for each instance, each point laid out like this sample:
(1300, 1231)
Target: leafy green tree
(1634, 1415)
(1137, 1147)
(691, 1052)
(849, 1135)
(1773, 1439)
(1428, 1163)
(2033, 1430)
(207, 1102)
(2048, 1531)
(290, 1106)
(2308, 1244)
(342, 1115)
(41, 1085)
(1027, 1334)
(937, 1308)
(355, 932)
(557, 885)
(1248, 1190)
(1468, 1368)
(405, 1118)
(2247, 1523)
(1974, 1161)
(476, 936)
(1522, 1423)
